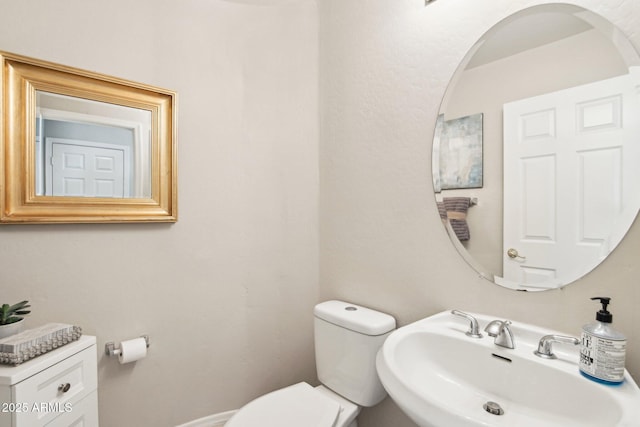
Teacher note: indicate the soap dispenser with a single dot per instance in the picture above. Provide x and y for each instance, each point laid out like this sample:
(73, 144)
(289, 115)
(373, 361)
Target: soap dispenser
(602, 350)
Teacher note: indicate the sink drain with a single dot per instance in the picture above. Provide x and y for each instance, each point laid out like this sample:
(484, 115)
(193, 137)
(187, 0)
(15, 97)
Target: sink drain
(493, 408)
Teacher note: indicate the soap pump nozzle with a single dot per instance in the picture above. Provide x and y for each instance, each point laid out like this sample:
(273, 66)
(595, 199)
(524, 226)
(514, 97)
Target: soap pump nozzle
(603, 315)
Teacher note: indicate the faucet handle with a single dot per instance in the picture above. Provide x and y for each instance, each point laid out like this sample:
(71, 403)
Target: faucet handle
(474, 329)
(544, 346)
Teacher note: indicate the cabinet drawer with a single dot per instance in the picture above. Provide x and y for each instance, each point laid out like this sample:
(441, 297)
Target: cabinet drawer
(84, 414)
(56, 390)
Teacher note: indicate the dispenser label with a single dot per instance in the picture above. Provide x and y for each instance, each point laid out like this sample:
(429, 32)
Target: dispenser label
(602, 358)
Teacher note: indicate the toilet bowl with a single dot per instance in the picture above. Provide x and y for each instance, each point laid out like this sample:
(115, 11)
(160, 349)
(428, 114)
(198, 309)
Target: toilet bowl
(347, 339)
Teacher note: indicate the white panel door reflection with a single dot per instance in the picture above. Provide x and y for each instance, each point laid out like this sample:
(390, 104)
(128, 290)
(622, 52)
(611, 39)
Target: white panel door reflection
(86, 169)
(570, 170)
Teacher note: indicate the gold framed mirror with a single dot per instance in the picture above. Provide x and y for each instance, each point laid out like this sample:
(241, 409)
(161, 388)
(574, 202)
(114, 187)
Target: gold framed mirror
(79, 146)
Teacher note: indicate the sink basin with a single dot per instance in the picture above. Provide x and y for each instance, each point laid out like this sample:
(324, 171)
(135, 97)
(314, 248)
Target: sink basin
(441, 377)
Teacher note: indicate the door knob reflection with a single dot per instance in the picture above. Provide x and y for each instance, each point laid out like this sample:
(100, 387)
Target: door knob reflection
(513, 253)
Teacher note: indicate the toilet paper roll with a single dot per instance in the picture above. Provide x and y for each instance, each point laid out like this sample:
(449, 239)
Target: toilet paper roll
(132, 350)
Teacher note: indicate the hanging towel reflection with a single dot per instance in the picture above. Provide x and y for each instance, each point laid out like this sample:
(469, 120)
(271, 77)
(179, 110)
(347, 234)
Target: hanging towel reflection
(454, 209)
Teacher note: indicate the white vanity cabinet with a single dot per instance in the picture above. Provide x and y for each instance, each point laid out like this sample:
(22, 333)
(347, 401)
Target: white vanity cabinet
(56, 389)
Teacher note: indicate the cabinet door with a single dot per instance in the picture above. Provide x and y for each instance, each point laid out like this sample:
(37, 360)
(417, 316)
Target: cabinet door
(56, 390)
(83, 414)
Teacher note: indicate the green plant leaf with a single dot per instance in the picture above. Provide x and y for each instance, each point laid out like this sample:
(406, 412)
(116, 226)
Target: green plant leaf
(11, 313)
(19, 306)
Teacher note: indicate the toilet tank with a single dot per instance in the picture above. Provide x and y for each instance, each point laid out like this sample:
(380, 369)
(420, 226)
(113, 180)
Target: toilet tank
(347, 339)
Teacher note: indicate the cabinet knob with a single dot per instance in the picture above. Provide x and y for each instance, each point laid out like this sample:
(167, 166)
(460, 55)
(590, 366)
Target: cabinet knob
(64, 387)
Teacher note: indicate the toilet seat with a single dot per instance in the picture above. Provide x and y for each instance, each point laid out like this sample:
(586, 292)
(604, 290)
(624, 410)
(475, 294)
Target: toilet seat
(293, 406)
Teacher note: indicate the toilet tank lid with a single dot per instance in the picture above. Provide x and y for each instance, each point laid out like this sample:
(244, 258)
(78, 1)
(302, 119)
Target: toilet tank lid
(354, 317)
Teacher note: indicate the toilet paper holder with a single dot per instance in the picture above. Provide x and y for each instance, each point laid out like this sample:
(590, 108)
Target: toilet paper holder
(110, 348)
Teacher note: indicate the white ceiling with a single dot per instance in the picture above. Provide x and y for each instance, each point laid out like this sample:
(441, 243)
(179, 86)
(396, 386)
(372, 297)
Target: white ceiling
(524, 33)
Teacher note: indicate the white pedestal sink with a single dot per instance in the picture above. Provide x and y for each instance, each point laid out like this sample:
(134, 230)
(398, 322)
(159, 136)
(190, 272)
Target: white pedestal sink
(441, 377)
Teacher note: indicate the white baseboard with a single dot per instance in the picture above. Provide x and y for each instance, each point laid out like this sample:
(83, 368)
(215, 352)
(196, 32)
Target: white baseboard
(215, 420)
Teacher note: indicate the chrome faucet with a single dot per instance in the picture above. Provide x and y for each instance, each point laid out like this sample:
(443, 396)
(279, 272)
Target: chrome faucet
(474, 330)
(544, 346)
(501, 331)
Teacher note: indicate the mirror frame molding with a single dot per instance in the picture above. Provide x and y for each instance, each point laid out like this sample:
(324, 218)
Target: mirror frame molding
(21, 77)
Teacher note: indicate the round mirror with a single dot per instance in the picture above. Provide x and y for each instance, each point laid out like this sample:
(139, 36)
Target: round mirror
(536, 147)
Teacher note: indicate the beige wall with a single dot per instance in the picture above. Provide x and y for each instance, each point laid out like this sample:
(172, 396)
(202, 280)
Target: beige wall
(225, 294)
(384, 69)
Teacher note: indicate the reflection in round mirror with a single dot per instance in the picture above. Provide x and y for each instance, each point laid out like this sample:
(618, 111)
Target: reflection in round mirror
(536, 147)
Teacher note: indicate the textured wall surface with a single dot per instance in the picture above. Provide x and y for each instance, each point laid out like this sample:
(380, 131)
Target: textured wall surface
(384, 69)
(226, 293)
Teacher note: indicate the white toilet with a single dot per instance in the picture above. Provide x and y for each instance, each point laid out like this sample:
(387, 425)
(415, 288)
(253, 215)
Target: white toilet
(347, 339)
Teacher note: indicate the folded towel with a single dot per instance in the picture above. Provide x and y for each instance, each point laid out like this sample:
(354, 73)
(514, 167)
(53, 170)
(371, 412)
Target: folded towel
(442, 210)
(456, 212)
(31, 343)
